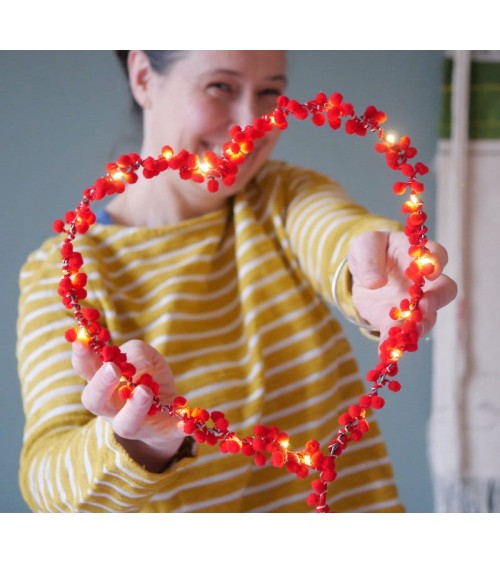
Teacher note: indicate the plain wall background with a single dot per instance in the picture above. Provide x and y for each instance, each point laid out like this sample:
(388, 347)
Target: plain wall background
(64, 115)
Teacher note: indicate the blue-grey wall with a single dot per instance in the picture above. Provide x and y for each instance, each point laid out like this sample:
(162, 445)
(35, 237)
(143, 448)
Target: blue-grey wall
(63, 115)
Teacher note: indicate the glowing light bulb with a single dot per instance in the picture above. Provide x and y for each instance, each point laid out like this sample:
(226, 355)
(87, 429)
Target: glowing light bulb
(285, 443)
(83, 336)
(426, 263)
(205, 167)
(395, 355)
(167, 153)
(117, 175)
(307, 460)
(391, 137)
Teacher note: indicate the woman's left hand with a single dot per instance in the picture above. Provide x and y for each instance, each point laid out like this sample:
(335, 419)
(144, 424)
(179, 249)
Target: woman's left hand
(377, 261)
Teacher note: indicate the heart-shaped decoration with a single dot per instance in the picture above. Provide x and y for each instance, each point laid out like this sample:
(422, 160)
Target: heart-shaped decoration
(267, 444)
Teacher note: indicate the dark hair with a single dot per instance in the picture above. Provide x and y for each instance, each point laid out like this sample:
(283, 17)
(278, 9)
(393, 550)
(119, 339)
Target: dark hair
(160, 61)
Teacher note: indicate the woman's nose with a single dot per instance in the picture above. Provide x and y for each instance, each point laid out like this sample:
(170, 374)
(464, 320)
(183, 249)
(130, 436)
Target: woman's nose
(245, 110)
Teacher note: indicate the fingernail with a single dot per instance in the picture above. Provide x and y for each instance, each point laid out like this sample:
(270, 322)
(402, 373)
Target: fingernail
(141, 396)
(110, 372)
(79, 348)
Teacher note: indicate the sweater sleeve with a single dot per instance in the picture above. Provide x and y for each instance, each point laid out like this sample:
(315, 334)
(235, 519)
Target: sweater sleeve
(70, 460)
(321, 221)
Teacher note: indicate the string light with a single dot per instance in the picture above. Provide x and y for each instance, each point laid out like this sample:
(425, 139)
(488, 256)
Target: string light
(391, 137)
(266, 444)
(83, 336)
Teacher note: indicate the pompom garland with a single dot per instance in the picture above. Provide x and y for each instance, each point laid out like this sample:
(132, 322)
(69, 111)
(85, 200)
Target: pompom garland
(267, 445)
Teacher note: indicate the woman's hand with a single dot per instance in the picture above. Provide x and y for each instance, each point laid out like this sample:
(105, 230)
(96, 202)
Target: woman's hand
(151, 440)
(377, 261)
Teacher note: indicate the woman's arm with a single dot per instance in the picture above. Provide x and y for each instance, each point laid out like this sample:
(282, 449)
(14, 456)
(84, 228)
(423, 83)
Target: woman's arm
(71, 459)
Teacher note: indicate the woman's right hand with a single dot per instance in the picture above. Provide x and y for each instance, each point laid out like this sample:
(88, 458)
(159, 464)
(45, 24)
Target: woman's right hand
(150, 440)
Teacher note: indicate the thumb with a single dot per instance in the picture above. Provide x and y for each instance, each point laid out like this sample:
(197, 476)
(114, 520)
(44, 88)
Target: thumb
(368, 259)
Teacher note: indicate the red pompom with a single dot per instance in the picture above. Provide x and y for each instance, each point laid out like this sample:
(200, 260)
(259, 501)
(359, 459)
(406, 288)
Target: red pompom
(211, 439)
(318, 119)
(318, 485)
(312, 446)
(246, 449)
(189, 426)
(329, 475)
(153, 409)
(179, 402)
(58, 225)
(313, 499)
(399, 188)
(321, 98)
(407, 169)
(394, 386)
(363, 426)
(260, 459)
(70, 335)
(356, 435)
(345, 419)
(377, 402)
(70, 216)
(213, 186)
(199, 436)
(365, 401)
(278, 458)
(109, 353)
(355, 411)
(124, 392)
(90, 314)
(282, 101)
(336, 98)
(351, 126)
(421, 168)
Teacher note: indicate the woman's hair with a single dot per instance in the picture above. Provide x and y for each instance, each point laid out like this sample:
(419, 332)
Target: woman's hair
(160, 61)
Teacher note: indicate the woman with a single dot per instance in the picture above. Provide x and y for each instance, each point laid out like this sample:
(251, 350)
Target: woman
(230, 290)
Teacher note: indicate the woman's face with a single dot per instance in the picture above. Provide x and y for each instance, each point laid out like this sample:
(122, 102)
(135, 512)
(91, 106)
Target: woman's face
(204, 93)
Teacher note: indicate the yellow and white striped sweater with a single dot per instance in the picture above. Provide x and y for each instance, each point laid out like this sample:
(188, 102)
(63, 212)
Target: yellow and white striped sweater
(235, 301)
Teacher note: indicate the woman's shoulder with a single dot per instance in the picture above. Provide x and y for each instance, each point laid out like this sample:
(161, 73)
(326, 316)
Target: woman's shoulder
(275, 170)
(286, 182)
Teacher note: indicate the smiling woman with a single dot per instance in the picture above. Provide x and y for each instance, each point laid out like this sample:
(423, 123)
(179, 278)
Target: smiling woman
(220, 297)
(212, 90)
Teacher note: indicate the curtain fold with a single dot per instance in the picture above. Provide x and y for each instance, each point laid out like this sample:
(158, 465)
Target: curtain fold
(464, 428)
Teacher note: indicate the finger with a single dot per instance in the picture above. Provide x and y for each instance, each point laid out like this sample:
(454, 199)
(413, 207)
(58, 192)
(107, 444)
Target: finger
(130, 418)
(438, 294)
(97, 394)
(147, 359)
(440, 258)
(367, 259)
(85, 362)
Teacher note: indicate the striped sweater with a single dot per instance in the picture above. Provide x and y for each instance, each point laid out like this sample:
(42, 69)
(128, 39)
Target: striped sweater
(237, 302)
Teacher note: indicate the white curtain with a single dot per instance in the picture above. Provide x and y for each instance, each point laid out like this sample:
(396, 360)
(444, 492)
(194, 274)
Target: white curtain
(464, 429)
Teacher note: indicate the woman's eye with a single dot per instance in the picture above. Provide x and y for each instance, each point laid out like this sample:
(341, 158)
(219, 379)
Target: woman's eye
(220, 87)
(275, 92)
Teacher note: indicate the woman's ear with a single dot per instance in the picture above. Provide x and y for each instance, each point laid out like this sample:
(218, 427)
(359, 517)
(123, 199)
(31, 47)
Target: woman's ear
(140, 74)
